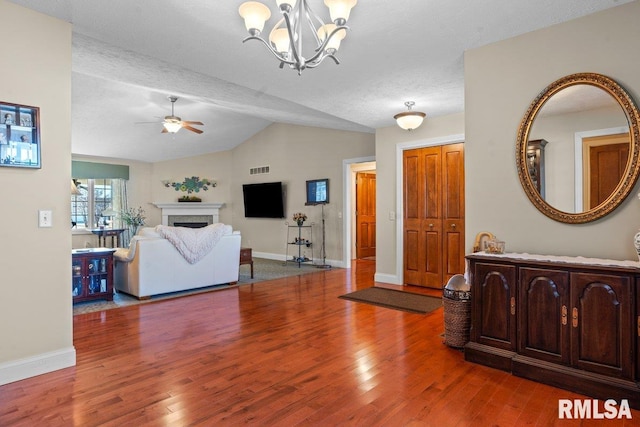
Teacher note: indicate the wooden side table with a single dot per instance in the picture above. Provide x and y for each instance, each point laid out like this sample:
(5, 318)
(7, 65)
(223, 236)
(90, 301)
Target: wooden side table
(103, 233)
(246, 258)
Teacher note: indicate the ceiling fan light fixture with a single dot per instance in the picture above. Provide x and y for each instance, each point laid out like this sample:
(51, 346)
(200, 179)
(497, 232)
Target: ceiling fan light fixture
(172, 125)
(409, 120)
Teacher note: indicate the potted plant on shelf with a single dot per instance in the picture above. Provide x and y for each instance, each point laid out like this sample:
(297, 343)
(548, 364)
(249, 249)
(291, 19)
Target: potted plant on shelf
(299, 218)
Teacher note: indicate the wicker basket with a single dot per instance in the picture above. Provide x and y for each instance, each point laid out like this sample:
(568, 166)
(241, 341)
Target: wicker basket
(457, 312)
(457, 322)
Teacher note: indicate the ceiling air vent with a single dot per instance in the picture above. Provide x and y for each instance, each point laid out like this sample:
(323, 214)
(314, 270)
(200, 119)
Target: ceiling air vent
(259, 170)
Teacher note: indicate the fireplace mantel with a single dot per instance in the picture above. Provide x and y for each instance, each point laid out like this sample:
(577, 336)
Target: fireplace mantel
(189, 208)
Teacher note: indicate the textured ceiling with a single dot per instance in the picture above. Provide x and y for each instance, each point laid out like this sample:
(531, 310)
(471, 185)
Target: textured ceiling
(129, 56)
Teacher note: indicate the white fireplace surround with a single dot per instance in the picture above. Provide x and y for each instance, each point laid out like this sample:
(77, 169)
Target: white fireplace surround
(189, 209)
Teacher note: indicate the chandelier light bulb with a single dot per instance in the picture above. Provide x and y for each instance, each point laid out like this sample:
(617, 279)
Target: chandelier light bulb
(334, 42)
(279, 37)
(340, 10)
(255, 14)
(286, 5)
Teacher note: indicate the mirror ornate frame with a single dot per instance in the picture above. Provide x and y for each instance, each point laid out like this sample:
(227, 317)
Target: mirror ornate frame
(631, 173)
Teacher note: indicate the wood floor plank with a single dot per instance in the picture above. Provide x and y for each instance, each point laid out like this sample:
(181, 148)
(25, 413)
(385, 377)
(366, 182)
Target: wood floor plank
(287, 352)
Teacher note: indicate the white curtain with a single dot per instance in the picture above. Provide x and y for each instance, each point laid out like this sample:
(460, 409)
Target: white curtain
(120, 204)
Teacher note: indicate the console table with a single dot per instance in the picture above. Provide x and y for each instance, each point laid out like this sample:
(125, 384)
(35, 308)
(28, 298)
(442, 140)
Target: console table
(103, 233)
(570, 322)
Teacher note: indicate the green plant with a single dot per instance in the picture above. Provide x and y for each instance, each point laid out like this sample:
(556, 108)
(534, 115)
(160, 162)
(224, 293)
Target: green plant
(133, 216)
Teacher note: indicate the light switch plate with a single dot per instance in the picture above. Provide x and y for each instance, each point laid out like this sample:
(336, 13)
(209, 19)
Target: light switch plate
(45, 218)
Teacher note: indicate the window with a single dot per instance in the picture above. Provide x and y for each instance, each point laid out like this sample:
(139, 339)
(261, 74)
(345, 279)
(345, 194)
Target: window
(93, 197)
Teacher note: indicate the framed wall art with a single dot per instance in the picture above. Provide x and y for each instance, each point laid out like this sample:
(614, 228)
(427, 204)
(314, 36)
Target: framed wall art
(19, 135)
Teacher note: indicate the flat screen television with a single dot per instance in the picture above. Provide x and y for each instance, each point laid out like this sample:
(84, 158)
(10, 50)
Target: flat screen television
(264, 200)
(317, 191)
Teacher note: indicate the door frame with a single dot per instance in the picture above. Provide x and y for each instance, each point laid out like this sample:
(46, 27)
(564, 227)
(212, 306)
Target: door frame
(349, 169)
(577, 161)
(400, 148)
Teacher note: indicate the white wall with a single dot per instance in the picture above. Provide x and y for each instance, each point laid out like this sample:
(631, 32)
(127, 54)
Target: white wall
(35, 285)
(501, 81)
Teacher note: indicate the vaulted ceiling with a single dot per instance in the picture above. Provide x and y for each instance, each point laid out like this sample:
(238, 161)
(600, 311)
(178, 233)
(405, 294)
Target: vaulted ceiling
(128, 57)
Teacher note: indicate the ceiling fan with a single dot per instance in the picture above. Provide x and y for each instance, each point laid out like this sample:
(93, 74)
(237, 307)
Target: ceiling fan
(173, 123)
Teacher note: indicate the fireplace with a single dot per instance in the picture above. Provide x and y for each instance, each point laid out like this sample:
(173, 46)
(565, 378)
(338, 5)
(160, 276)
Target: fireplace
(190, 224)
(189, 213)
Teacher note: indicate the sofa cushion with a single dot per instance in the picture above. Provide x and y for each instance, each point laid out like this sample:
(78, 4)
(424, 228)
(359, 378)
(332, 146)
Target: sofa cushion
(148, 232)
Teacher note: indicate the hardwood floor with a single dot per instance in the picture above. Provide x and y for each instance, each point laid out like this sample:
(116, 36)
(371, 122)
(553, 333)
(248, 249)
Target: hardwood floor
(286, 352)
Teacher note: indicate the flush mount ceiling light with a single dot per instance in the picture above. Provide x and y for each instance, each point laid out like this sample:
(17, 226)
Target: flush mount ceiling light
(285, 39)
(409, 120)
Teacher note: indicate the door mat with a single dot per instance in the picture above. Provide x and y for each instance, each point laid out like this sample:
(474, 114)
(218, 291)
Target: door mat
(398, 300)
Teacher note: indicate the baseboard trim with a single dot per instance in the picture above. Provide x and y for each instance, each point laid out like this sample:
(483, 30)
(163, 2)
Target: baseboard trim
(28, 367)
(281, 257)
(387, 278)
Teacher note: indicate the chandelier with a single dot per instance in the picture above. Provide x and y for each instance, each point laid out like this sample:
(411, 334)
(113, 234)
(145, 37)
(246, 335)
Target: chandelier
(285, 39)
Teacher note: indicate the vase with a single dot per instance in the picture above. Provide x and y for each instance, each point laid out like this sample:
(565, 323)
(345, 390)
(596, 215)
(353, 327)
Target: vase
(300, 222)
(636, 243)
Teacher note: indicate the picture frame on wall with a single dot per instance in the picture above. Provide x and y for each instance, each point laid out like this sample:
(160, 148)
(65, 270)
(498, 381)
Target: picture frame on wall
(19, 136)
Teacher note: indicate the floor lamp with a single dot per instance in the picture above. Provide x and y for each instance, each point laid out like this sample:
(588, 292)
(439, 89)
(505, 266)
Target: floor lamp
(323, 248)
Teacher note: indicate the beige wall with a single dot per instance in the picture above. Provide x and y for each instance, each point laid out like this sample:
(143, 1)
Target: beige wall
(389, 144)
(296, 154)
(216, 166)
(35, 302)
(501, 81)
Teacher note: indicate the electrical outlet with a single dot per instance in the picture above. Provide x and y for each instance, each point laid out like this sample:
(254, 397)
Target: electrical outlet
(392, 216)
(45, 218)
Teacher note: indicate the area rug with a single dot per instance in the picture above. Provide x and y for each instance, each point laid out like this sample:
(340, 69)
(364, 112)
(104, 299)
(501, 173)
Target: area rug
(398, 300)
(263, 269)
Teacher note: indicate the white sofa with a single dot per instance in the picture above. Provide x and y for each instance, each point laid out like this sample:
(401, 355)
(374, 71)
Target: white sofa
(152, 265)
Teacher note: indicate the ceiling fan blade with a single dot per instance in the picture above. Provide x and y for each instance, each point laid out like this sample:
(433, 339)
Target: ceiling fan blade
(187, 127)
(188, 122)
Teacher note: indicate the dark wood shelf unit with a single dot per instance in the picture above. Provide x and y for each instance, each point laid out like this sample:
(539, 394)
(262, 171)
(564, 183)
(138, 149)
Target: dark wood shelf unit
(92, 274)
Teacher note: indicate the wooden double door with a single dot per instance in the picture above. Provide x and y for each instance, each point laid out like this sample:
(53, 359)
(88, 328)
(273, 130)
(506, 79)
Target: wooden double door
(433, 217)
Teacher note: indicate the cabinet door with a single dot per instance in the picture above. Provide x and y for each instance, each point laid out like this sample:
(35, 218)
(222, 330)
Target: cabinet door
(600, 318)
(78, 271)
(543, 315)
(494, 305)
(636, 322)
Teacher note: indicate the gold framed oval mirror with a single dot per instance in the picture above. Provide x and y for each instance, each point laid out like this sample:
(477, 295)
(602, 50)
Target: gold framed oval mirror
(578, 148)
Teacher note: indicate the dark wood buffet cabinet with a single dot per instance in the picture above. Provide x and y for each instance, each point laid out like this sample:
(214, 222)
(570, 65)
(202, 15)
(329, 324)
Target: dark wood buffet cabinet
(569, 322)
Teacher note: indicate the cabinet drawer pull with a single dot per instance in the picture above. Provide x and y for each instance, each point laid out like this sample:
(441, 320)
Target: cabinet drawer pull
(639, 326)
(574, 317)
(513, 306)
(564, 315)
